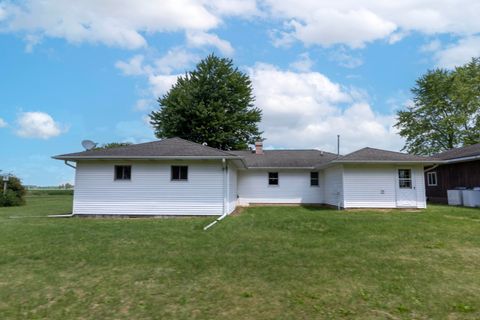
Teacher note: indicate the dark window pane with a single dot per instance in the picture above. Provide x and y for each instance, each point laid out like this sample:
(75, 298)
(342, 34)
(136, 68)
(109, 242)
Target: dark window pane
(432, 178)
(184, 172)
(123, 172)
(175, 173)
(273, 175)
(314, 178)
(404, 173)
(118, 172)
(273, 178)
(179, 172)
(405, 184)
(127, 172)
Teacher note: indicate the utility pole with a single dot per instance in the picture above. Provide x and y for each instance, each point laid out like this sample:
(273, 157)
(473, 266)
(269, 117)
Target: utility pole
(5, 180)
(338, 145)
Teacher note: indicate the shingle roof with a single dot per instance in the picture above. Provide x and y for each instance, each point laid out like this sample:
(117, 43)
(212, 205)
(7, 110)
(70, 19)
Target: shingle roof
(463, 152)
(180, 148)
(378, 155)
(173, 147)
(286, 158)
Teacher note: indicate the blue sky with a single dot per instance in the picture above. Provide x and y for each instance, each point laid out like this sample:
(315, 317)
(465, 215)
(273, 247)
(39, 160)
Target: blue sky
(319, 68)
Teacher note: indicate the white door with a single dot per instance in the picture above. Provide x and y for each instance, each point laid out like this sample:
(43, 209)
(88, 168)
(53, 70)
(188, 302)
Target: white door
(406, 193)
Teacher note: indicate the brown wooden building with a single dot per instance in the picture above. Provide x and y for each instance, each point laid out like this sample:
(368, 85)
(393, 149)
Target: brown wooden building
(460, 169)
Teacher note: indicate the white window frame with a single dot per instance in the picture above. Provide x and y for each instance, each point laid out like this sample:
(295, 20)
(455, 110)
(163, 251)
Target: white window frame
(432, 174)
(403, 179)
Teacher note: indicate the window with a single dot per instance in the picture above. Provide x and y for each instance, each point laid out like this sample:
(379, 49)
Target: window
(273, 178)
(123, 172)
(314, 179)
(432, 179)
(405, 178)
(179, 173)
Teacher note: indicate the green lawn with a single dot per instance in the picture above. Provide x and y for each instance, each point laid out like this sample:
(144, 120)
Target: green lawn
(266, 263)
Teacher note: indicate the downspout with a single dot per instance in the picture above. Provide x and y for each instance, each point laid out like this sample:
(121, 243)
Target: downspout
(64, 215)
(224, 185)
(434, 167)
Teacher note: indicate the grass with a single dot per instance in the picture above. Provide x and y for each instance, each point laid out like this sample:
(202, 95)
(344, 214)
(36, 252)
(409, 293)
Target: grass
(267, 263)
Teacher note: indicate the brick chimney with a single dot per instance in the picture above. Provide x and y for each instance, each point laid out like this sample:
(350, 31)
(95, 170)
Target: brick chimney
(259, 147)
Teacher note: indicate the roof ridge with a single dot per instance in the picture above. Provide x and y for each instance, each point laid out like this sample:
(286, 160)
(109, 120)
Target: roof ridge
(460, 148)
(383, 150)
(205, 146)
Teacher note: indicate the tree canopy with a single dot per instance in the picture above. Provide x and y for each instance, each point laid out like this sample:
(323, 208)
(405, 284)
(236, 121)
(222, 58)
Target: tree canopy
(15, 192)
(445, 112)
(111, 145)
(212, 104)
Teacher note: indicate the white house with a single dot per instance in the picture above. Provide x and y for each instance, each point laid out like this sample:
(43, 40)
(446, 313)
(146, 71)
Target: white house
(179, 177)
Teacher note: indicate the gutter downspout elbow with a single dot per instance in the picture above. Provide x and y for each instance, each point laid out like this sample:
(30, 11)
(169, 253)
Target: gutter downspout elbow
(225, 212)
(70, 165)
(64, 215)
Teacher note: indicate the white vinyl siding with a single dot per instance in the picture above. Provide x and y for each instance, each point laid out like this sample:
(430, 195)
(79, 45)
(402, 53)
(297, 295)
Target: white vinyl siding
(333, 186)
(150, 190)
(293, 187)
(374, 186)
(370, 186)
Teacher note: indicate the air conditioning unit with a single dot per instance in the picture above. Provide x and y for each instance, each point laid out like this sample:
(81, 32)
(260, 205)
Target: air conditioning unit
(455, 197)
(471, 198)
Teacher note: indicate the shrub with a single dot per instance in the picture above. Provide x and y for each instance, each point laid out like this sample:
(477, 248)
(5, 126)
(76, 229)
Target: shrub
(14, 196)
(10, 199)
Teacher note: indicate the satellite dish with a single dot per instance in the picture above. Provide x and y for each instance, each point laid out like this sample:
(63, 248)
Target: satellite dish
(88, 144)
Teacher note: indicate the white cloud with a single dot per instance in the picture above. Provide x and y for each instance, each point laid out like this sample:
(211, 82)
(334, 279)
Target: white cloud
(304, 63)
(120, 23)
(306, 109)
(161, 83)
(345, 59)
(459, 53)
(235, 7)
(356, 23)
(3, 11)
(431, 46)
(37, 125)
(132, 67)
(161, 73)
(175, 59)
(201, 39)
(3, 123)
(370, 26)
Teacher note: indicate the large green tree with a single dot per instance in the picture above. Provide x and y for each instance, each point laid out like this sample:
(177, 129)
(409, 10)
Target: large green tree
(212, 104)
(445, 112)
